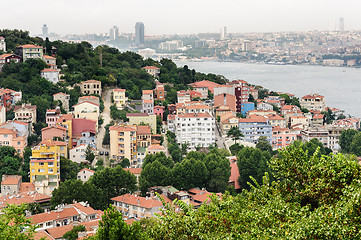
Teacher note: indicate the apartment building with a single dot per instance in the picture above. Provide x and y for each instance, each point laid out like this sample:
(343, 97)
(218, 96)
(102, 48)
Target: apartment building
(197, 129)
(138, 207)
(12, 138)
(123, 142)
(45, 158)
(90, 87)
(119, 98)
(225, 99)
(148, 102)
(276, 120)
(29, 51)
(144, 136)
(183, 96)
(241, 91)
(2, 44)
(313, 102)
(203, 87)
(86, 110)
(282, 137)
(254, 127)
(329, 136)
(159, 93)
(52, 116)
(54, 132)
(77, 153)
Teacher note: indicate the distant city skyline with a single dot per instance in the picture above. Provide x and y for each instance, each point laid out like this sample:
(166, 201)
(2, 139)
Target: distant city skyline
(188, 17)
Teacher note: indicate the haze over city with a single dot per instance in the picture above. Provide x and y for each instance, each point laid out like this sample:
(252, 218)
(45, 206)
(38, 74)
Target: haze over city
(165, 17)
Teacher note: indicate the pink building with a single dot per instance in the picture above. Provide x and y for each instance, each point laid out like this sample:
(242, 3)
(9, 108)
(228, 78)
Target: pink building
(282, 137)
(12, 138)
(159, 110)
(52, 116)
(49, 133)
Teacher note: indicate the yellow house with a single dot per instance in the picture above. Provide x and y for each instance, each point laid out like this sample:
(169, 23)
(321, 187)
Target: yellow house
(123, 142)
(45, 158)
(65, 120)
(87, 110)
(138, 118)
(119, 98)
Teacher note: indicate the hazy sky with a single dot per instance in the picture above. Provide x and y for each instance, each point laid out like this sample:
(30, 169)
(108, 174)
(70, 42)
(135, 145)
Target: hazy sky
(182, 16)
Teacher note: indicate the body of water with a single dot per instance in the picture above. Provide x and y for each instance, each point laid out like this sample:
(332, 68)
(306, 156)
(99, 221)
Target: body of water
(340, 86)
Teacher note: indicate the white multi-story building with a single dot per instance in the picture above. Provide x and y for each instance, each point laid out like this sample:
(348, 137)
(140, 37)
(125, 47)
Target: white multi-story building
(197, 129)
(313, 102)
(52, 75)
(2, 44)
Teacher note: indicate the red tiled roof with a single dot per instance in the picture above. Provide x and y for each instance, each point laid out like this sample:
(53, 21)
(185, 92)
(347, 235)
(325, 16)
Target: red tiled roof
(147, 101)
(141, 130)
(89, 97)
(60, 93)
(147, 92)
(50, 70)
(312, 96)
(11, 179)
(53, 215)
(56, 127)
(43, 235)
(122, 128)
(49, 57)
(119, 90)
(234, 173)
(27, 187)
(23, 197)
(155, 147)
(253, 118)
(87, 169)
(80, 125)
(150, 67)
(30, 46)
(86, 102)
(138, 201)
(85, 209)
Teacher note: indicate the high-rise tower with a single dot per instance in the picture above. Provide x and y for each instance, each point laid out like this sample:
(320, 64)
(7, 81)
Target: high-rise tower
(45, 30)
(139, 34)
(341, 24)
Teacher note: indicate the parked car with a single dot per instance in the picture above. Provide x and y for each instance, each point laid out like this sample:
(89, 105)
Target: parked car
(101, 153)
(106, 153)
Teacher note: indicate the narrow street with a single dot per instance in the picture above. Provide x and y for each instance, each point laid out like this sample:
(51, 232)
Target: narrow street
(106, 117)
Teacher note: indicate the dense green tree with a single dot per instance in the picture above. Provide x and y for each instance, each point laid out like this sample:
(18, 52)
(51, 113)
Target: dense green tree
(346, 139)
(125, 163)
(252, 162)
(73, 233)
(235, 133)
(355, 146)
(112, 182)
(89, 154)
(264, 145)
(68, 169)
(14, 225)
(154, 174)
(113, 227)
(188, 174)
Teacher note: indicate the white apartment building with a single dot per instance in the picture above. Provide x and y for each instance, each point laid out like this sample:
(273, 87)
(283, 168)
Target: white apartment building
(197, 129)
(2, 44)
(313, 102)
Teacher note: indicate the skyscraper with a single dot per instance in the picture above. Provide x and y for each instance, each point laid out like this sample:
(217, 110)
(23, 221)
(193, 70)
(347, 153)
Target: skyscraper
(114, 33)
(341, 25)
(223, 32)
(45, 30)
(139, 34)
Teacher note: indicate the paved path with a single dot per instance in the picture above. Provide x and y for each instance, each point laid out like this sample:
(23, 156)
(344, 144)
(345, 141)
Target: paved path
(106, 94)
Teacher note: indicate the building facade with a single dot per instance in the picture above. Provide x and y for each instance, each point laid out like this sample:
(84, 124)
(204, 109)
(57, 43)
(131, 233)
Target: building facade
(91, 87)
(123, 142)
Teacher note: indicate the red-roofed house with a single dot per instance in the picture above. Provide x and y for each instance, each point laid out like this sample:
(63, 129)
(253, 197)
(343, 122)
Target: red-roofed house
(314, 102)
(159, 111)
(225, 99)
(85, 174)
(29, 51)
(49, 133)
(203, 87)
(135, 206)
(10, 184)
(156, 148)
(83, 132)
(152, 70)
(7, 58)
(52, 75)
